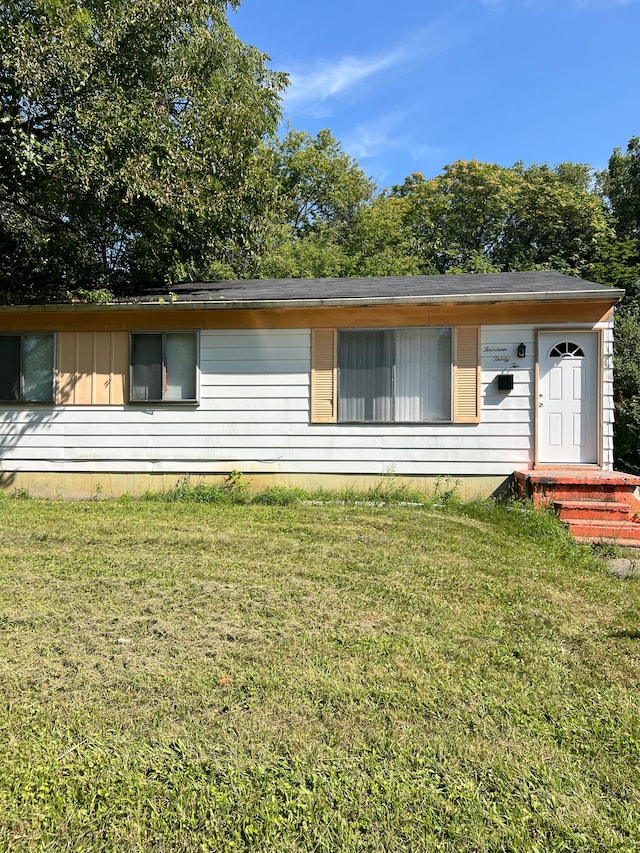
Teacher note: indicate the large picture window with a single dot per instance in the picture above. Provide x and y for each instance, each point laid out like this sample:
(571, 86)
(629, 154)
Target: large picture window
(395, 375)
(26, 368)
(164, 366)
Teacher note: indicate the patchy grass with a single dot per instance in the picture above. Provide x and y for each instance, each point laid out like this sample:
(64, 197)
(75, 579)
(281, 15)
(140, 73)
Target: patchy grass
(180, 676)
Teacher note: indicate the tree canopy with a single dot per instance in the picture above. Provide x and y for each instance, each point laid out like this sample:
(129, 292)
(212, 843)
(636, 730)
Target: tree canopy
(618, 263)
(473, 217)
(480, 217)
(130, 140)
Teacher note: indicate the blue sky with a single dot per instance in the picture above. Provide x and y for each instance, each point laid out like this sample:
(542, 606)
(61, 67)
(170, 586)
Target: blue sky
(413, 85)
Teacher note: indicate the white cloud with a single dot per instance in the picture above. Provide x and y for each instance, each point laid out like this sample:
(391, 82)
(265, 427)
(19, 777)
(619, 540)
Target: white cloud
(606, 4)
(329, 79)
(370, 138)
(312, 87)
(603, 4)
(381, 139)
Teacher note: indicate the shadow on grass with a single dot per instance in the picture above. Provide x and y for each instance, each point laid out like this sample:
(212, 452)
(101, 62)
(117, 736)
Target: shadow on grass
(626, 634)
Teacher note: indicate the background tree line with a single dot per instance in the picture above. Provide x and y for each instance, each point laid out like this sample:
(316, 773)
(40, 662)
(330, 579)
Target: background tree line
(139, 144)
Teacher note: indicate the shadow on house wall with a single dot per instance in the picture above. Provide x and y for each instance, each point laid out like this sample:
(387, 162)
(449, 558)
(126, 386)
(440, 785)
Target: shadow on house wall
(16, 423)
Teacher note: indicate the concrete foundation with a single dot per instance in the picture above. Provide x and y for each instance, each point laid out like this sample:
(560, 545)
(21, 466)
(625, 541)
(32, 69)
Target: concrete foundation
(84, 486)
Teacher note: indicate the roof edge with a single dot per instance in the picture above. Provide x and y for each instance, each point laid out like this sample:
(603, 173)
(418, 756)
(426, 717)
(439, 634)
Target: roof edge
(612, 295)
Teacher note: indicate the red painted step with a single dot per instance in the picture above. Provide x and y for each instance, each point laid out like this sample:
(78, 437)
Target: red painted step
(595, 505)
(545, 486)
(594, 510)
(623, 532)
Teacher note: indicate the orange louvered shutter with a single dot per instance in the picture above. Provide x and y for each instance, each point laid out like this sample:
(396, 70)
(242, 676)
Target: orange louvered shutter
(323, 376)
(466, 375)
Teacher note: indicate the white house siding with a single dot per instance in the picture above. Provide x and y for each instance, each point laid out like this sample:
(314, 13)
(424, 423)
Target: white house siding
(254, 416)
(607, 383)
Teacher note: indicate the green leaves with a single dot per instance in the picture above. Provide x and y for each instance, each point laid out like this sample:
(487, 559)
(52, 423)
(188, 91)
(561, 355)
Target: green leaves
(621, 185)
(618, 263)
(480, 217)
(125, 125)
(319, 183)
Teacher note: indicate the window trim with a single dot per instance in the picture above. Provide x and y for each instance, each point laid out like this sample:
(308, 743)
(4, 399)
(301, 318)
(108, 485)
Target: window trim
(22, 401)
(163, 401)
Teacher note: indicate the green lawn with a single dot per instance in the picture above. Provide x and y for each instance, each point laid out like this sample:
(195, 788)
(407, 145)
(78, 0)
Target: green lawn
(189, 677)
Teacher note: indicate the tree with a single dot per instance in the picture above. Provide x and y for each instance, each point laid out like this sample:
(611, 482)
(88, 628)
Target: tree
(458, 216)
(627, 388)
(130, 142)
(480, 217)
(375, 243)
(320, 193)
(380, 243)
(620, 185)
(618, 263)
(318, 182)
(557, 221)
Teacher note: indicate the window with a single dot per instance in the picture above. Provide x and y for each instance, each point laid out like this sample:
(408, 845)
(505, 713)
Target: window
(566, 348)
(164, 367)
(26, 368)
(441, 388)
(395, 375)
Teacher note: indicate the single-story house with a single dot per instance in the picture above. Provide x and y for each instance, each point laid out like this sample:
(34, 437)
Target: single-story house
(309, 382)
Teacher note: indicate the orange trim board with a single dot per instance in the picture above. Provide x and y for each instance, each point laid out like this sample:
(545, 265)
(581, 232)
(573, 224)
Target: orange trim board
(147, 318)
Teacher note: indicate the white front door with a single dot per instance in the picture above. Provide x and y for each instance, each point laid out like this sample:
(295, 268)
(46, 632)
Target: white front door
(568, 389)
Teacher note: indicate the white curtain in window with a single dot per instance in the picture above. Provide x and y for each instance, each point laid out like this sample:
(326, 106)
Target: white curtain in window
(395, 375)
(423, 375)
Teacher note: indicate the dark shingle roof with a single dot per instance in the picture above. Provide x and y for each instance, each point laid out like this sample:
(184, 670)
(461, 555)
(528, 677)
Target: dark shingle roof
(384, 289)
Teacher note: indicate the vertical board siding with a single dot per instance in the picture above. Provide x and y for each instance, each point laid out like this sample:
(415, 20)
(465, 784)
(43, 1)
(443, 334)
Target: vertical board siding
(254, 415)
(66, 368)
(92, 368)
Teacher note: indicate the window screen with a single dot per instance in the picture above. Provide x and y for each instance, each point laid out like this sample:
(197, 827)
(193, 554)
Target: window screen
(10, 367)
(26, 368)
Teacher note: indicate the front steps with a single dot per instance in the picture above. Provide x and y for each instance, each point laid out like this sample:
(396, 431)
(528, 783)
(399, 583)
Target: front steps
(596, 506)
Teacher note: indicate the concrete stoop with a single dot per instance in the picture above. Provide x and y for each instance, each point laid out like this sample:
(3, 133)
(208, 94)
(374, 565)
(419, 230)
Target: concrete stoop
(596, 506)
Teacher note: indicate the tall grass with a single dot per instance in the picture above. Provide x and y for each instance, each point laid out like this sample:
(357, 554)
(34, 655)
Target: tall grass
(236, 489)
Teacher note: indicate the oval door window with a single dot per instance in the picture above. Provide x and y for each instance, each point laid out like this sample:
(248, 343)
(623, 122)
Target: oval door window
(566, 348)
